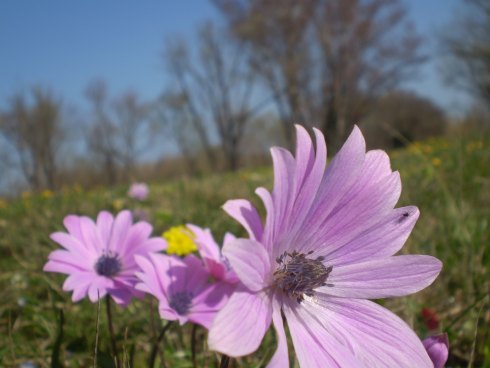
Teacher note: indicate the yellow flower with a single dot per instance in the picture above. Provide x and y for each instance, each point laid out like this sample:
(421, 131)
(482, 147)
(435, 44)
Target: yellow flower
(3, 204)
(436, 161)
(118, 204)
(26, 195)
(180, 240)
(47, 194)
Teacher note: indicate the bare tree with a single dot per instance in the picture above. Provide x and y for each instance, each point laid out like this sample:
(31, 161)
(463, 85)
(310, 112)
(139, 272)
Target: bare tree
(214, 90)
(401, 117)
(325, 60)
(34, 129)
(102, 138)
(119, 133)
(468, 44)
(133, 123)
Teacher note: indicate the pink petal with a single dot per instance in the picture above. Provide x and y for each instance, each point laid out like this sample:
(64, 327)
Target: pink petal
(91, 236)
(154, 279)
(63, 256)
(104, 224)
(340, 175)
(246, 214)
(98, 288)
(373, 334)
(136, 236)
(309, 173)
(122, 224)
(381, 240)
(73, 245)
(284, 170)
(72, 224)
(75, 280)
(280, 358)
(207, 246)
(250, 261)
(197, 279)
(382, 278)
(314, 346)
(351, 218)
(59, 267)
(240, 326)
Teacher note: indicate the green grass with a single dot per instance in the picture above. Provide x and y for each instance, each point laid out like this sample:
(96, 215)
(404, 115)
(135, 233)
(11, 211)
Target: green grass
(449, 180)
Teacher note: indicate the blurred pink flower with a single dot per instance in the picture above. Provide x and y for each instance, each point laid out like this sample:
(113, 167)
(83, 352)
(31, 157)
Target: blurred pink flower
(328, 243)
(210, 252)
(139, 191)
(437, 347)
(182, 288)
(99, 256)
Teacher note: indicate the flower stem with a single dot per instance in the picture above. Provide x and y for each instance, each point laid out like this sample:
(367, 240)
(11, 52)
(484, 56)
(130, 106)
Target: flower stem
(193, 344)
(111, 330)
(154, 349)
(225, 360)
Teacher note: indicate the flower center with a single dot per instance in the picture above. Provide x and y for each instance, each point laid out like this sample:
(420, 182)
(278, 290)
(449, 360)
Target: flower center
(298, 275)
(181, 302)
(108, 265)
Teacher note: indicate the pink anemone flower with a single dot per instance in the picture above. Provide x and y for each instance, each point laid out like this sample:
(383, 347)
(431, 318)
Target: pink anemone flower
(99, 256)
(328, 244)
(139, 191)
(437, 347)
(182, 288)
(210, 252)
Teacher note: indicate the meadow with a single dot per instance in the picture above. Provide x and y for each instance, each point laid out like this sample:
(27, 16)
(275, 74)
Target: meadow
(447, 178)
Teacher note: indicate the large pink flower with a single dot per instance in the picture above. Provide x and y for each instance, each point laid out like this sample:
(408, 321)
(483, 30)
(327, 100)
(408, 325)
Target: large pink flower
(327, 245)
(99, 256)
(182, 287)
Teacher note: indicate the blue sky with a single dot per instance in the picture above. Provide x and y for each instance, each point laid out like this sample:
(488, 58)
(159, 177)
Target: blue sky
(66, 44)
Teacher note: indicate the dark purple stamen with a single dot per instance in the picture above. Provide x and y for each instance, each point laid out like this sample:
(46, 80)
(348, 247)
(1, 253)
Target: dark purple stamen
(298, 275)
(181, 302)
(108, 265)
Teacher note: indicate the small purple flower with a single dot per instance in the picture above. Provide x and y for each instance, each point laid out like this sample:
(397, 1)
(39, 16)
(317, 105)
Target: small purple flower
(99, 256)
(437, 347)
(139, 191)
(182, 288)
(216, 264)
(328, 243)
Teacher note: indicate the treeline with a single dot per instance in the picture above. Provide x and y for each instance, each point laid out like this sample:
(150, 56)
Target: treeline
(240, 87)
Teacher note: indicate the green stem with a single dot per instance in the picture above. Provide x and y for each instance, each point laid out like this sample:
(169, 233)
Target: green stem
(193, 344)
(154, 349)
(111, 330)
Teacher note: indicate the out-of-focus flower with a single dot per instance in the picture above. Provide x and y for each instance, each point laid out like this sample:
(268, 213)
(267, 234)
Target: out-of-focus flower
(210, 252)
(139, 191)
(436, 161)
(180, 241)
(327, 245)
(3, 203)
(118, 204)
(47, 194)
(437, 347)
(431, 319)
(99, 256)
(182, 288)
(26, 195)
